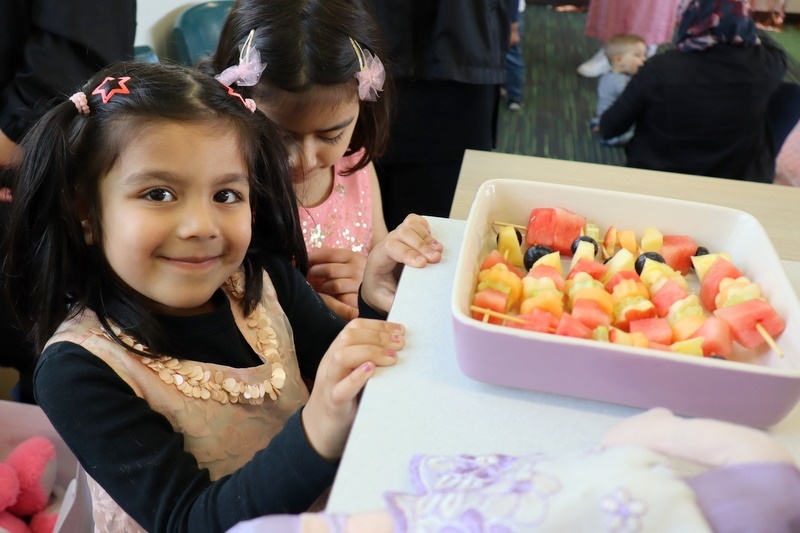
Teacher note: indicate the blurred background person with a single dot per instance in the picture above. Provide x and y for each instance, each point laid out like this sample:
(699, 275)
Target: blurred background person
(448, 60)
(47, 49)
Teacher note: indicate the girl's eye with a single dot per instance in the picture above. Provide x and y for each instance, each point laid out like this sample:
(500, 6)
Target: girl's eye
(227, 196)
(333, 140)
(160, 195)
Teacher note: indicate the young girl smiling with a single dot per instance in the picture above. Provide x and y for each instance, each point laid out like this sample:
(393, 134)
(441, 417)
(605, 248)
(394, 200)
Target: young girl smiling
(156, 257)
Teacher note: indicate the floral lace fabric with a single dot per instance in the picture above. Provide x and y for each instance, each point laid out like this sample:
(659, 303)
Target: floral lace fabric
(620, 489)
(223, 437)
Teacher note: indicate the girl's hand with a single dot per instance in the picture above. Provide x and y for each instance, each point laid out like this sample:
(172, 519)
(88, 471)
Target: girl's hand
(337, 273)
(343, 310)
(412, 244)
(344, 370)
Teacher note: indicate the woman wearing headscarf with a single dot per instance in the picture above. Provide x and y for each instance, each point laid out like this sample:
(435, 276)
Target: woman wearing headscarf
(702, 107)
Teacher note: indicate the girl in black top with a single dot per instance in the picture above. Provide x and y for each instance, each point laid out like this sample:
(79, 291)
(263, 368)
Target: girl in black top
(154, 232)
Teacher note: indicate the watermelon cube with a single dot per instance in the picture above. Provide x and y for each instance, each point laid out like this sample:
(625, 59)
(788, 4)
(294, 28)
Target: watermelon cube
(655, 329)
(538, 320)
(669, 293)
(541, 226)
(493, 300)
(742, 319)
(717, 337)
(677, 251)
(720, 269)
(570, 326)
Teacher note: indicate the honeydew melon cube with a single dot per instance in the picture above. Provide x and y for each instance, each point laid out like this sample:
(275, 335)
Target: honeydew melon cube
(702, 263)
(652, 240)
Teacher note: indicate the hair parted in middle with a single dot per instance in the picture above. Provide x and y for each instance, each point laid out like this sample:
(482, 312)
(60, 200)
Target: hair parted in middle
(56, 272)
(306, 44)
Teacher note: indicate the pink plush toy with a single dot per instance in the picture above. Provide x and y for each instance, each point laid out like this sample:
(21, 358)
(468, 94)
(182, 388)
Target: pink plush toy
(27, 480)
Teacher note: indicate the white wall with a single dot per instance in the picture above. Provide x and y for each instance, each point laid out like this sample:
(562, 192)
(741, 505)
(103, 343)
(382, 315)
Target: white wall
(154, 20)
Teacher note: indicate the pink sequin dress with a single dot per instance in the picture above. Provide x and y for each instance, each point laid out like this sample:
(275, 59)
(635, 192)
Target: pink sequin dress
(652, 20)
(344, 219)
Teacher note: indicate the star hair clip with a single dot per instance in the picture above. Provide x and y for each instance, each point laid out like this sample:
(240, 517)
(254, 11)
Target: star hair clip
(105, 90)
(246, 73)
(371, 74)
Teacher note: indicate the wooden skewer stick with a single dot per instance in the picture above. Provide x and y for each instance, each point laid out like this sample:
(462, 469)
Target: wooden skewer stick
(488, 312)
(768, 338)
(498, 223)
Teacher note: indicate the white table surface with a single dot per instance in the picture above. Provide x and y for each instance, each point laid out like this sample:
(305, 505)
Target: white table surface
(426, 405)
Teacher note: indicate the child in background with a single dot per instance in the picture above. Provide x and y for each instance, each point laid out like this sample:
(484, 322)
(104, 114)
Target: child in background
(515, 64)
(626, 53)
(157, 259)
(653, 20)
(324, 84)
(651, 472)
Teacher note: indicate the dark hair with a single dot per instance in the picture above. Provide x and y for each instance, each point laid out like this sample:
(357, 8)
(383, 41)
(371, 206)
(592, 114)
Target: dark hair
(52, 273)
(305, 44)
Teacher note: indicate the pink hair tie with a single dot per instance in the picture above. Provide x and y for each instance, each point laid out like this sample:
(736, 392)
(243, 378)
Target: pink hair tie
(371, 74)
(81, 103)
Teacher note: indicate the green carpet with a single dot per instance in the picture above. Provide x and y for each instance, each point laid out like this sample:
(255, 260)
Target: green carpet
(554, 121)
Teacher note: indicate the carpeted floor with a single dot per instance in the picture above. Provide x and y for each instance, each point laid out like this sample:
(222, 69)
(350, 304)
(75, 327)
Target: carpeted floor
(558, 102)
(554, 121)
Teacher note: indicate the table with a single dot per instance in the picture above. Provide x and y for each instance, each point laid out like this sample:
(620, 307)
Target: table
(426, 405)
(778, 213)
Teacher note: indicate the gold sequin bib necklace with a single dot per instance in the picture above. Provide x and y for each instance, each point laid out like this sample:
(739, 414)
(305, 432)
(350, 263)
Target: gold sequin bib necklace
(195, 382)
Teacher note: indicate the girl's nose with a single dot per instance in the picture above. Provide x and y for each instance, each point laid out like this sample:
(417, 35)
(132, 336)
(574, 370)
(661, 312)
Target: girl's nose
(303, 158)
(198, 220)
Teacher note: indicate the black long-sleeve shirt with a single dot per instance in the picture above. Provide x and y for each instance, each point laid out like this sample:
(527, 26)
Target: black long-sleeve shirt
(49, 47)
(136, 456)
(701, 113)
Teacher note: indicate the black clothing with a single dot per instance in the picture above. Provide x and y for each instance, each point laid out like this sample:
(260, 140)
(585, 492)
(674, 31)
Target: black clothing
(702, 112)
(137, 457)
(47, 49)
(448, 58)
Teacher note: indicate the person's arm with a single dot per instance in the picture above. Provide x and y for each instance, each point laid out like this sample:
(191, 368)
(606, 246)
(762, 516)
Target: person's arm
(306, 313)
(136, 456)
(628, 108)
(67, 44)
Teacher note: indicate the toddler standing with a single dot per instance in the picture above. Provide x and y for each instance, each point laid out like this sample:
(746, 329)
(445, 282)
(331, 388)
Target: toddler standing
(626, 53)
(157, 260)
(322, 82)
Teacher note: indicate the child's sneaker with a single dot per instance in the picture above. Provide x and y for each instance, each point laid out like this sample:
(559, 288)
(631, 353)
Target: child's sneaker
(515, 107)
(596, 66)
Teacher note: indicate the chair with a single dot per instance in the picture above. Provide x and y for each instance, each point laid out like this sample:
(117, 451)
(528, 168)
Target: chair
(197, 30)
(145, 53)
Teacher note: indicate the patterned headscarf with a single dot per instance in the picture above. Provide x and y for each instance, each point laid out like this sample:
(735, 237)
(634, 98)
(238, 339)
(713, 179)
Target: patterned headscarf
(707, 22)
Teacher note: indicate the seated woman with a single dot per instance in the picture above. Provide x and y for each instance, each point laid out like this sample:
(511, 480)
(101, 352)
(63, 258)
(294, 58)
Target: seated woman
(702, 107)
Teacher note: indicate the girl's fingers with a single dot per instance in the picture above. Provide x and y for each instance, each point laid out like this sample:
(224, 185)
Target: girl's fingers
(412, 243)
(347, 358)
(376, 332)
(348, 388)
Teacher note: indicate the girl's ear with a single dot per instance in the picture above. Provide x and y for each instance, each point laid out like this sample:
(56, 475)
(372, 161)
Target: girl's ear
(88, 237)
(83, 215)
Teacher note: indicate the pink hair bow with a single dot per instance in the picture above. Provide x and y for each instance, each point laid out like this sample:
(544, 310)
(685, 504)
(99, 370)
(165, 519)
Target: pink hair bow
(370, 77)
(249, 69)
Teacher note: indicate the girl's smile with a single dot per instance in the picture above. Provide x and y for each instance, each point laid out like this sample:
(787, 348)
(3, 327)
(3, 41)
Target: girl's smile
(176, 213)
